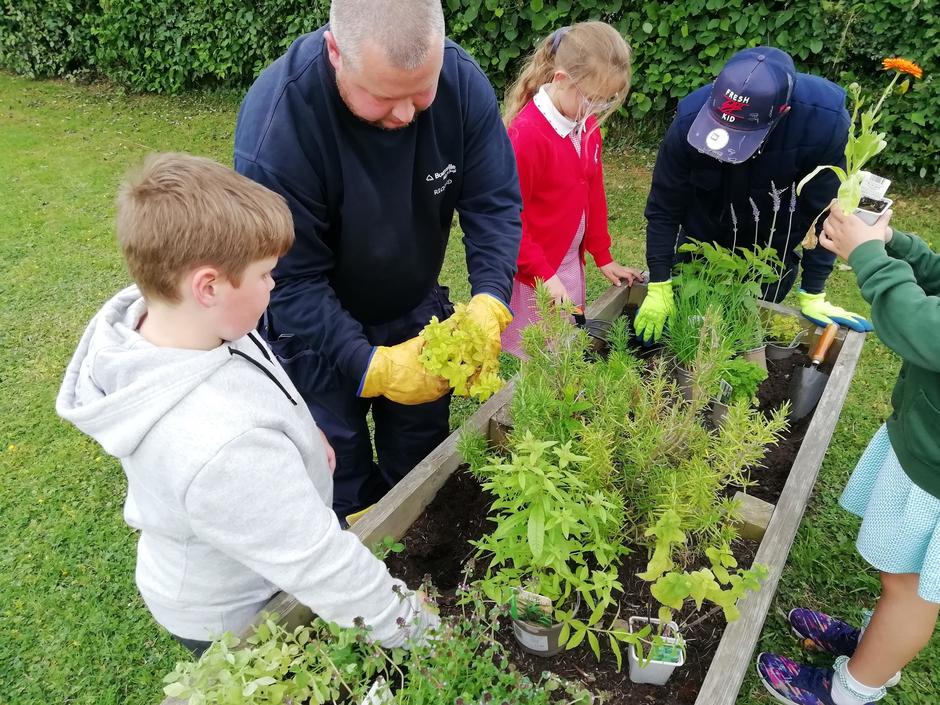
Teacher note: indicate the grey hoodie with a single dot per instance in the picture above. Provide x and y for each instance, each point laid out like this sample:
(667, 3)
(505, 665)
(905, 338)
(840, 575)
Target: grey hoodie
(228, 483)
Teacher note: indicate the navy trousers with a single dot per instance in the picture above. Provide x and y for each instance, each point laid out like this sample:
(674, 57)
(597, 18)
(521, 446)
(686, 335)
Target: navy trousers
(404, 434)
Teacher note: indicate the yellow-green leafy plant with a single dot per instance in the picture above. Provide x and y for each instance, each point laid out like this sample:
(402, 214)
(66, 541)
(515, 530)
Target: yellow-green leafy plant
(780, 328)
(459, 350)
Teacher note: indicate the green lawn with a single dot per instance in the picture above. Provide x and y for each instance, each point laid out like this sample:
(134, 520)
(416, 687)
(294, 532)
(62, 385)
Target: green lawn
(73, 627)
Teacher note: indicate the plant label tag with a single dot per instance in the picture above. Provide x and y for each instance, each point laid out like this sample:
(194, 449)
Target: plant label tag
(725, 392)
(529, 602)
(379, 694)
(873, 186)
(531, 641)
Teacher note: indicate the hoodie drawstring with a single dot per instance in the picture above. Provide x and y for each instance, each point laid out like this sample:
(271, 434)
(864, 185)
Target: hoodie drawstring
(267, 372)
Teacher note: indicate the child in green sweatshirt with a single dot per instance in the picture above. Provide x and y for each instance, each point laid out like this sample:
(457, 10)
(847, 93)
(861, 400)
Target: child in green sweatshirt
(895, 487)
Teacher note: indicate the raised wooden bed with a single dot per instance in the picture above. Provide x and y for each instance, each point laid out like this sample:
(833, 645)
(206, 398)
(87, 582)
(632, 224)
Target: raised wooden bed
(396, 512)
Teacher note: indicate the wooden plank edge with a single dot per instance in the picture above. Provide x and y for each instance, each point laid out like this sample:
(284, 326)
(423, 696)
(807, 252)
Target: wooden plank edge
(735, 650)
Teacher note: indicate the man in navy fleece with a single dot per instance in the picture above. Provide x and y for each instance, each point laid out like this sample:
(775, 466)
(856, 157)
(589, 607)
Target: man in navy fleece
(375, 128)
(733, 154)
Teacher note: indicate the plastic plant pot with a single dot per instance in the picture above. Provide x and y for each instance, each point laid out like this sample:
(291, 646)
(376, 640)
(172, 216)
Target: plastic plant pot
(540, 640)
(778, 350)
(684, 379)
(718, 412)
(656, 671)
(870, 210)
(757, 356)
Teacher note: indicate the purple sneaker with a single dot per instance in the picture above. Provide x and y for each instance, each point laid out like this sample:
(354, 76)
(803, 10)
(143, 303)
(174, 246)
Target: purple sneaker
(818, 631)
(794, 683)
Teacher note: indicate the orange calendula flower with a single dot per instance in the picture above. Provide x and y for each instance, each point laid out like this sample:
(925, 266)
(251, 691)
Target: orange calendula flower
(903, 66)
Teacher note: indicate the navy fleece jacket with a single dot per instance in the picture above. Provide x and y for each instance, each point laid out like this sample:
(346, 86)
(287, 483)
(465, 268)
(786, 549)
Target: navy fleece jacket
(699, 193)
(373, 208)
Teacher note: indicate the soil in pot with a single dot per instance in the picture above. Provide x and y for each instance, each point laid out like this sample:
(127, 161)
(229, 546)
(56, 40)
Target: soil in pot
(873, 205)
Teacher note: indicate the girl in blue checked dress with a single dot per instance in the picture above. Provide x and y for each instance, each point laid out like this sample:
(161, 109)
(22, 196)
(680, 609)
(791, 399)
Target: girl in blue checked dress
(895, 487)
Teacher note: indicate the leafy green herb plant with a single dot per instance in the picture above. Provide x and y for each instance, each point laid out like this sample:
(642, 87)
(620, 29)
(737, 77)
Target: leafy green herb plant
(730, 282)
(554, 536)
(322, 664)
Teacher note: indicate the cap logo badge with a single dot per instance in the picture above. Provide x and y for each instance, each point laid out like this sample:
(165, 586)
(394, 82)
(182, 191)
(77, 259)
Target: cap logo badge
(734, 103)
(717, 138)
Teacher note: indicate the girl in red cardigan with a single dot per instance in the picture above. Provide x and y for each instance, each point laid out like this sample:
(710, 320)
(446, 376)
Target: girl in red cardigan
(577, 77)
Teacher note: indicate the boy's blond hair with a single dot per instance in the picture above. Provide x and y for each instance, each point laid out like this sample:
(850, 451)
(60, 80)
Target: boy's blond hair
(178, 212)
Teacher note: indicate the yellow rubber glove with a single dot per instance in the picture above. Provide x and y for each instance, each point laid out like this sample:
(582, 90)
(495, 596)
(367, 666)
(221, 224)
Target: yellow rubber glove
(398, 374)
(492, 315)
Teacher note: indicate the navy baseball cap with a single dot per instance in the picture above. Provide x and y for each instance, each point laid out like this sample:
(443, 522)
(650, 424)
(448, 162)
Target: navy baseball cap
(751, 94)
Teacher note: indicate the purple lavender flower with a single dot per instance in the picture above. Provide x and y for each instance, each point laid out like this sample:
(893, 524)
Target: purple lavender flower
(775, 196)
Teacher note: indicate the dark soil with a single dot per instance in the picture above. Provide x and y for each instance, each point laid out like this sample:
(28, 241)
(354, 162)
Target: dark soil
(870, 204)
(437, 546)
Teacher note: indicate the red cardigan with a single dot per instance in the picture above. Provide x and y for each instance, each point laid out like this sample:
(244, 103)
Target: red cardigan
(557, 187)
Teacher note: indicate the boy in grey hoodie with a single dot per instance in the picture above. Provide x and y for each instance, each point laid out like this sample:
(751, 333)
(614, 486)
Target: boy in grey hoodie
(229, 479)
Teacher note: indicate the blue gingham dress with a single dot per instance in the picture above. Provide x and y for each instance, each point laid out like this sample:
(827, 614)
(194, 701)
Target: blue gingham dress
(900, 530)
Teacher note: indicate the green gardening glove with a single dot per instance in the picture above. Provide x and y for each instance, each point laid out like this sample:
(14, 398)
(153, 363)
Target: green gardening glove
(822, 313)
(654, 312)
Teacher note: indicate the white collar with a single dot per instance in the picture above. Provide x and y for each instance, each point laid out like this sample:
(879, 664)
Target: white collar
(564, 126)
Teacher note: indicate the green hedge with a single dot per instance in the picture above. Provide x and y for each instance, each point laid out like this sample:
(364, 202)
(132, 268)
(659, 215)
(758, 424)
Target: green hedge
(175, 45)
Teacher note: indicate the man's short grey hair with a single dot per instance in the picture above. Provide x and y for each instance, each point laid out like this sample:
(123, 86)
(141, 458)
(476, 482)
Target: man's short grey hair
(407, 30)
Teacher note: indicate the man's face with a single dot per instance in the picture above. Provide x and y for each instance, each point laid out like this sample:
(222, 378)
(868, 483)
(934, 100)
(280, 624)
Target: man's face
(381, 94)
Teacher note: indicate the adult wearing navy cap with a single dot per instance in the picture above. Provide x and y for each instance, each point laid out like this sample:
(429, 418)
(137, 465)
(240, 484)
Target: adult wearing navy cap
(733, 154)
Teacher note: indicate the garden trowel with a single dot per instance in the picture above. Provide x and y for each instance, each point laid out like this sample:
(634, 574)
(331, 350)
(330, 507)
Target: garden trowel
(808, 383)
(595, 327)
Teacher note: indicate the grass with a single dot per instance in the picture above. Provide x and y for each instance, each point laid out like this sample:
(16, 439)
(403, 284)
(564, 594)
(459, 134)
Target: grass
(74, 628)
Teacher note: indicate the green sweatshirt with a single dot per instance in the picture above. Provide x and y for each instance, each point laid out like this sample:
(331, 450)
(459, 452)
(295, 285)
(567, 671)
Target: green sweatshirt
(901, 281)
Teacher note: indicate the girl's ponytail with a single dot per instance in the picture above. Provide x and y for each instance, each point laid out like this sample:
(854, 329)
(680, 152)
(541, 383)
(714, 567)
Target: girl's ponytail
(538, 71)
(591, 53)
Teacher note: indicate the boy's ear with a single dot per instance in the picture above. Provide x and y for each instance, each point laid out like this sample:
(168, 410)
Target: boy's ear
(204, 286)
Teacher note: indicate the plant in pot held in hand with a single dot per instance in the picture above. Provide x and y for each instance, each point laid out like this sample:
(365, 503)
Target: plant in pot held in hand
(864, 144)
(554, 549)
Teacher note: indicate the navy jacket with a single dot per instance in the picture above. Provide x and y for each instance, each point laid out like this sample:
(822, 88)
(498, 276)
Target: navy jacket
(373, 208)
(705, 196)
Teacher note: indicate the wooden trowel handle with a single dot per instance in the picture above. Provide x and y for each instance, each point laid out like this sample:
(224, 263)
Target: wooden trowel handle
(824, 343)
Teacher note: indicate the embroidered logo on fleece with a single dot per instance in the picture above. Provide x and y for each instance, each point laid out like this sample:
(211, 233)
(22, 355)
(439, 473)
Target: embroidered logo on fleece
(442, 175)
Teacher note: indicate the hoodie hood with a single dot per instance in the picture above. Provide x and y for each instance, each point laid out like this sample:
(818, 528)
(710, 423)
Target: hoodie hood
(118, 385)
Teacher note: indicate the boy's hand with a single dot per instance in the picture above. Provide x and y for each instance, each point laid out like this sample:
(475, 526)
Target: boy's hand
(330, 453)
(843, 232)
(617, 274)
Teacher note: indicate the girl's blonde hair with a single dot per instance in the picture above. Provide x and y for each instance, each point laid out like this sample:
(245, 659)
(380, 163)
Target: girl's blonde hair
(591, 52)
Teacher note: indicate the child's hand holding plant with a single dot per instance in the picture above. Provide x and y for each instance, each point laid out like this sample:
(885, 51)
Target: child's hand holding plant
(843, 232)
